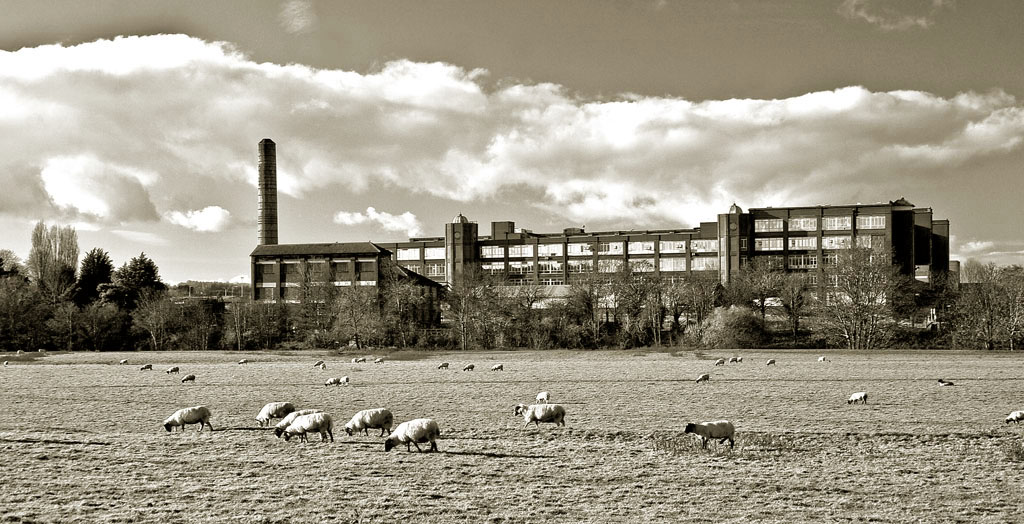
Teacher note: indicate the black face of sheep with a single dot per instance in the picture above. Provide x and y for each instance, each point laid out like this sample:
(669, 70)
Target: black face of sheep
(167, 427)
(388, 445)
(689, 428)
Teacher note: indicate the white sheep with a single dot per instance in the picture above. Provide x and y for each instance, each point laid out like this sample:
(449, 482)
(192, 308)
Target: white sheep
(368, 419)
(720, 362)
(734, 360)
(122, 362)
(415, 432)
(289, 418)
(771, 362)
(243, 361)
(188, 378)
(703, 378)
(358, 360)
(273, 410)
(19, 352)
(720, 430)
(172, 369)
(323, 367)
(944, 382)
(5, 363)
(469, 367)
(739, 360)
(443, 365)
(544, 397)
(498, 367)
(1015, 417)
(537, 413)
(321, 423)
(378, 360)
(822, 359)
(318, 363)
(337, 381)
(860, 396)
(146, 367)
(193, 415)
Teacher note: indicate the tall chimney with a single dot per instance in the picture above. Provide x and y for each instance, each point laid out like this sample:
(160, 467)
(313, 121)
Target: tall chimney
(267, 219)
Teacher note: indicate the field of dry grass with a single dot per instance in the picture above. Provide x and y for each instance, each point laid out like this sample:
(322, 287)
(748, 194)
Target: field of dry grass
(81, 439)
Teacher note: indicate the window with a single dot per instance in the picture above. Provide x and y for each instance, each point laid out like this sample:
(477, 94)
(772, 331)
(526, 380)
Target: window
(803, 224)
(609, 248)
(549, 250)
(768, 244)
(408, 253)
(768, 225)
(835, 242)
(836, 223)
(672, 264)
(433, 253)
(606, 265)
(830, 259)
(871, 222)
(520, 267)
(415, 268)
(435, 270)
(522, 250)
(673, 246)
(641, 265)
(641, 248)
(870, 241)
(552, 282)
(803, 242)
(704, 263)
(743, 244)
(581, 266)
(812, 279)
(576, 250)
(493, 268)
(492, 252)
(365, 266)
(704, 246)
(771, 261)
(549, 266)
(807, 261)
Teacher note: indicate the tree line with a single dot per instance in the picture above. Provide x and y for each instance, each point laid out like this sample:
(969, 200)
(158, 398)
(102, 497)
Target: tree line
(861, 302)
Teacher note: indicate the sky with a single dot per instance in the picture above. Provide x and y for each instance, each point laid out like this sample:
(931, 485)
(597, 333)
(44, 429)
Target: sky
(137, 122)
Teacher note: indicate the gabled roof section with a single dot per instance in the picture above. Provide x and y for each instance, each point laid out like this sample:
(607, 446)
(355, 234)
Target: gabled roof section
(333, 248)
(417, 278)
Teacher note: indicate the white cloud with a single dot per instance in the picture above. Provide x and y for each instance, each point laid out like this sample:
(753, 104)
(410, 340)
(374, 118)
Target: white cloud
(406, 222)
(141, 237)
(977, 246)
(298, 16)
(208, 219)
(890, 15)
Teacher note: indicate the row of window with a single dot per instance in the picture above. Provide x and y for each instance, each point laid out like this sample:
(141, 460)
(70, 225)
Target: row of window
(833, 223)
(553, 267)
(827, 242)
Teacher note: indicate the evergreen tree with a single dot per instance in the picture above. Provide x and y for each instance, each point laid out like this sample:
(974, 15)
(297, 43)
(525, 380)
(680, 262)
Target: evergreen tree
(97, 269)
(131, 281)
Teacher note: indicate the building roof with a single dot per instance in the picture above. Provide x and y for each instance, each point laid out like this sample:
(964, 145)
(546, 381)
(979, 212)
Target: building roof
(331, 248)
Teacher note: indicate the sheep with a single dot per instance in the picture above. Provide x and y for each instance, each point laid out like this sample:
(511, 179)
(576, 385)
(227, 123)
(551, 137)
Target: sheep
(443, 365)
(321, 423)
(146, 367)
(5, 363)
(289, 418)
(543, 396)
(469, 367)
(739, 360)
(172, 369)
(703, 378)
(414, 432)
(822, 359)
(193, 415)
(318, 363)
(498, 367)
(538, 413)
(720, 430)
(860, 396)
(122, 362)
(19, 352)
(188, 378)
(273, 410)
(720, 362)
(944, 382)
(358, 360)
(323, 367)
(771, 362)
(367, 419)
(378, 360)
(1015, 417)
(243, 361)
(734, 360)
(337, 381)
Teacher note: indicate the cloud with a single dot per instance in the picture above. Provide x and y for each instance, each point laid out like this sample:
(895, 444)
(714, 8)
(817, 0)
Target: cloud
(111, 136)
(406, 222)
(208, 219)
(888, 15)
(977, 246)
(298, 16)
(141, 237)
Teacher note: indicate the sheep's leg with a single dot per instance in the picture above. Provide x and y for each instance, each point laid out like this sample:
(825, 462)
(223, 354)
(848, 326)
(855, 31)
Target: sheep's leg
(366, 431)
(417, 446)
(433, 446)
(408, 448)
(331, 433)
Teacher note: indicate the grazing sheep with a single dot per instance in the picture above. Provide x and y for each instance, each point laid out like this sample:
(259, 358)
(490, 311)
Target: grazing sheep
(861, 397)
(193, 415)
(537, 413)
(414, 432)
(146, 367)
(822, 359)
(321, 423)
(318, 363)
(498, 367)
(368, 419)
(359, 360)
(469, 367)
(289, 418)
(720, 362)
(5, 363)
(703, 378)
(944, 382)
(172, 369)
(739, 360)
(122, 362)
(323, 367)
(444, 365)
(734, 360)
(188, 378)
(544, 397)
(720, 430)
(378, 360)
(337, 381)
(1015, 417)
(19, 352)
(273, 410)
(771, 362)
(243, 361)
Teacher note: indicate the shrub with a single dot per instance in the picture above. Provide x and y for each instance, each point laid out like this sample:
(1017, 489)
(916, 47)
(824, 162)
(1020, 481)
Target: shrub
(733, 327)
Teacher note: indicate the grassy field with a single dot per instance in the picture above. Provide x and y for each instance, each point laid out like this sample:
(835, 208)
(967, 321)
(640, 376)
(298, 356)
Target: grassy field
(81, 439)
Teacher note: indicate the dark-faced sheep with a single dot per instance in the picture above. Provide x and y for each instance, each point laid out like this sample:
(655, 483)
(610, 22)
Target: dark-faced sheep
(498, 367)
(287, 420)
(771, 362)
(321, 423)
(414, 432)
(172, 369)
(188, 378)
(1015, 417)
(860, 396)
(273, 410)
(243, 361)
(720, 362)
(368, 419)
(944, 382)
(146, 367)
(704, 377)
(193, 415)
(537, 413)
(443, 365)
(469, 367)
(720, 430)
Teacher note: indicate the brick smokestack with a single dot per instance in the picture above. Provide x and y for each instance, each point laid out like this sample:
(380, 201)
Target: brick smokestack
(267, 219)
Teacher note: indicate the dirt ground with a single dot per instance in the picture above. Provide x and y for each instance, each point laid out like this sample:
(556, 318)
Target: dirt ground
(81, 439)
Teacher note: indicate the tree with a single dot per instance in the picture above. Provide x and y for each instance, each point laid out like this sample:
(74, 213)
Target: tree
(586, 306)
(357, 314)
(23, 314)
(858, 296)
(1011, 288)
(53, 260)
(136, 278)
(97, 269)
(155, 315)
(402, 301)
(733, 327)
(313, 317)
(978, 308)
(698, 294)
(10, 264)
(758, 281)
(633, 289)
(796, 296)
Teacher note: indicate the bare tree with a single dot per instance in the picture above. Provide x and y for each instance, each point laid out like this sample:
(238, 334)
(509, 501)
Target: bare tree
(858, 295)
(756, 283)
(155, 315)
(796, 297)
(357, 314)
(53, 260)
